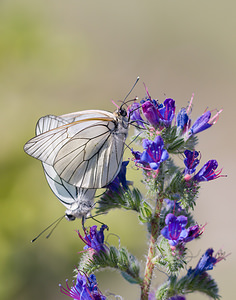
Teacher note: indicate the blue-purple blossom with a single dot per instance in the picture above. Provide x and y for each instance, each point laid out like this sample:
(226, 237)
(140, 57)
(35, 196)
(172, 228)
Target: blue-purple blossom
(204, 122)
(84, 289)
(207, 262)
(153, 154)
(208, 172)
(134, 113)
(159, 115)
(120, 180)
(167, 112)
(182, 120)
(201, 123)
(137, 159)
(136, 154)
(95, 239)
(191, 161)
(175, 231)
(150, 113)
(193, 232)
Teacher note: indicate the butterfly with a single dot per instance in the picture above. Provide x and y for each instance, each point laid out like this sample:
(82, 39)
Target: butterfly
(80, 152)
(85, 148)
(78, 201)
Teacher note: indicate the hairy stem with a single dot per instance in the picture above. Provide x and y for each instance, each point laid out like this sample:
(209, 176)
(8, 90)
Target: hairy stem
(145, 287)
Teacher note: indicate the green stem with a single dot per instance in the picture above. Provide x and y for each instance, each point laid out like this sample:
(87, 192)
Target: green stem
(145, 287)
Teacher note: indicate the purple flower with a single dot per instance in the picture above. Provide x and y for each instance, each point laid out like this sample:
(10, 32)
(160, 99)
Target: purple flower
(84, 289)
(182, 119)
(136, 154)
(175, 230)
(191, 161)
(167, 112)
(207, 262)
(159, 114)
(120, 180)
(150, 112)
(134, 113)
(137, 159)
(193, 232)
(208, 172)
(204, 122)
(153, 154)
(95, 239)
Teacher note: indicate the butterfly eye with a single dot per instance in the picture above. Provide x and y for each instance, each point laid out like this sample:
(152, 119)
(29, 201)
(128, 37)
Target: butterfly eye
(122, 112)
(70, 217)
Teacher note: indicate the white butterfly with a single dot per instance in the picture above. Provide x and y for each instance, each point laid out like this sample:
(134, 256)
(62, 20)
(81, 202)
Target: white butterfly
(86, 148)
(80, 153)
(78, 201)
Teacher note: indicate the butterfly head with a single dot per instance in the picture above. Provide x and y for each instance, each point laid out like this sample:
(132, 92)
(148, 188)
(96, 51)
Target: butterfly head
(69, 217)
(122, 112)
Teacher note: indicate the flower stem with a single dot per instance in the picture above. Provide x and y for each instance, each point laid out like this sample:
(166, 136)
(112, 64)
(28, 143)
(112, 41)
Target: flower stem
(151, 252)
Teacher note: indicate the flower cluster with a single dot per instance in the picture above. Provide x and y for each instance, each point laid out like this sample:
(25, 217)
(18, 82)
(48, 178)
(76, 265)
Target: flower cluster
(206, 173)
(167, 210)
(160, 115)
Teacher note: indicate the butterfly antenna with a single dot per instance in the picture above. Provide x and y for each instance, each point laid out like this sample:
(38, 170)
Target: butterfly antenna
(91, 217)
(55, 222)
(130, 90)
(128, 145)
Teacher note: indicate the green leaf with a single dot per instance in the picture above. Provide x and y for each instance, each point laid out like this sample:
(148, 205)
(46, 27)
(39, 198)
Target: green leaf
(145, 213)
(119, 259)
(185, 191)
(130, 199)
(201, 283)
(172, 263)
(188, 284)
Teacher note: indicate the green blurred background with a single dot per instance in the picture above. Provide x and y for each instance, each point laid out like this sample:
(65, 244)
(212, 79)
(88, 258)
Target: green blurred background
(63, 56)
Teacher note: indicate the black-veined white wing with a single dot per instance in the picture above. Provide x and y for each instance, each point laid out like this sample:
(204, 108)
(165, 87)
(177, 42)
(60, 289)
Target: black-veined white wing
(85, 150)
(78, 201)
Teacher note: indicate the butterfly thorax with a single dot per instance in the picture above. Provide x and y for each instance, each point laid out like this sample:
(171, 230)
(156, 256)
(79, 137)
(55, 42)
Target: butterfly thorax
(79, 209)
(122, 120)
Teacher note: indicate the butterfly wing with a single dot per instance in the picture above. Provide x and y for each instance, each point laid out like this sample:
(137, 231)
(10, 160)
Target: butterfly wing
(78, 201)
(85, 151)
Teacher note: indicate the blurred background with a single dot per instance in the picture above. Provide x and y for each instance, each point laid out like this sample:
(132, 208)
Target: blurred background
(58, 57)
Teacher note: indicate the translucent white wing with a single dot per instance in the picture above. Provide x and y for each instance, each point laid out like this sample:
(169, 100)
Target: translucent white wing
(85, 149)
(78, 201)
(45, 146)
